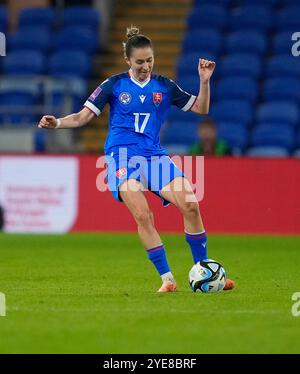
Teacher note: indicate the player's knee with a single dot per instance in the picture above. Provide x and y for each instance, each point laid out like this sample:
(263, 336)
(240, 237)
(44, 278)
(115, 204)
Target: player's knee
(143, 217)
(190, 209)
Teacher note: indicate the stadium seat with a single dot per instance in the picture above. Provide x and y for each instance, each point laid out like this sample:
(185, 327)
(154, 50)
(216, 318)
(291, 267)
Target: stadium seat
(240, 64)
(244, 88)
(224, 3)
(289, 2)
(188, 64)
(281, 89)
(31, 38)
(70, 93)
(257, 17)
(282, 43)
(177, 149)
(269, 135)
(177, 114)
(70, 64)
(17, 96)
(283, 66)
(246, 41)
(30, 17)
(235, 111)
(267, 151)
(180, 132)
(76, 38)
(83, 16)
(24, 62)
(288, 19)
(235, 134)
(269, 3)
(211, 16)
(202, 40)
(278, 112)
(297, 153)
(3, 19)
(189, 83)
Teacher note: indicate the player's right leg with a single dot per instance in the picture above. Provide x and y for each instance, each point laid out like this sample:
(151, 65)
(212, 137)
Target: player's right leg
(132, 195)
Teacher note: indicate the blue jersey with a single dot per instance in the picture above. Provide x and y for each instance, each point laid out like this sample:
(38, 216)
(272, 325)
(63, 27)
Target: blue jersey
(137, 110)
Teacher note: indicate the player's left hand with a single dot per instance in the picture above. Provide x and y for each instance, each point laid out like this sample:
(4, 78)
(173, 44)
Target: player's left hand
(206, 69)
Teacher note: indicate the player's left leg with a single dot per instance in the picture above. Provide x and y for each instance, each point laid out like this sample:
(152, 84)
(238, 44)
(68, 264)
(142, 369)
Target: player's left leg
(180, 193)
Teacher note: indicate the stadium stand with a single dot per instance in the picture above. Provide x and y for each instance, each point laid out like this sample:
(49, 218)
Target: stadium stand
(255, 88)
(48, 65)
(256, 84)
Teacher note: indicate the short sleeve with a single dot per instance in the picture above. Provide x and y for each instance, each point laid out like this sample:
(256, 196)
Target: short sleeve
(98, 99)
(179, 97)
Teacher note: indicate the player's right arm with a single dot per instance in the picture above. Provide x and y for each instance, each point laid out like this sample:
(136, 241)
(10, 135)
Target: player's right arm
(69, 122)
(92, 107)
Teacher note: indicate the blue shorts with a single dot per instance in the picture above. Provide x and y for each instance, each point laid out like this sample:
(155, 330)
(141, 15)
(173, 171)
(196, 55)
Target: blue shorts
(153, 172)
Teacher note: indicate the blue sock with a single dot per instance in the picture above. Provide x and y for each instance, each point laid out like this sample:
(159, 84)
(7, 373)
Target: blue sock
(197, 242)
(158, 257)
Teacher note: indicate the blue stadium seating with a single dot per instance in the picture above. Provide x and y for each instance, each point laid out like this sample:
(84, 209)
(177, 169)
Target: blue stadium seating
(178, 115)
(267, 151)
(246, 41)
(235, 134)
(224, 3)
(235, 111)
(18, 95)
(70, 64)
(24, 62)
(288, 19)
(44, 17)
(240, 64)
(189, 83)
(180, 133)
(202, 40)
(257, 17)
(282, 43)
(269, 3)
(76, 38)
(83, 16)
(283, 65)
(188, 64)
(3, 19)
(269, 135)
(278, 112)
(244, 88)
(282, 89)
(289, 2)
(211, 16)
(297, 153)
(32, 38)
(75, 88)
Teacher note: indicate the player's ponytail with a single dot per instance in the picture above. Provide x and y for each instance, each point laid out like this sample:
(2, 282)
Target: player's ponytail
(135, 40)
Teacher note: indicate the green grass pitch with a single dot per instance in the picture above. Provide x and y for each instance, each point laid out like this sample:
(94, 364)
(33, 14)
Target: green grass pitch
(96, 293)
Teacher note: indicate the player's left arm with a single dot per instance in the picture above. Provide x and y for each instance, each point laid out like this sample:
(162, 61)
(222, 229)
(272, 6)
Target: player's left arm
(205, 69)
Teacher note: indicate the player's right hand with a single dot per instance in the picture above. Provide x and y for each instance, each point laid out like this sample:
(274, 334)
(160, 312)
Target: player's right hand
(47, 122)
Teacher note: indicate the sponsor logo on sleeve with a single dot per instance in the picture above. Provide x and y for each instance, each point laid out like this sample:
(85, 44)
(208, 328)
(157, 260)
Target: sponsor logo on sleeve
(95, 94)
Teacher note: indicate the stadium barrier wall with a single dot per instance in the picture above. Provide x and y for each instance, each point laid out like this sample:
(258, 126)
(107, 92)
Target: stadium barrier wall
(241, 195)
(58, 194)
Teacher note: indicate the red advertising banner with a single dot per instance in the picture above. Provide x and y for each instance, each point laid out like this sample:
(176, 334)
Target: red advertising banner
(241, 195)
(59, 194)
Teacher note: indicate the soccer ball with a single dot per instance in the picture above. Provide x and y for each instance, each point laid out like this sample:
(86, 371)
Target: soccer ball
(207, 276)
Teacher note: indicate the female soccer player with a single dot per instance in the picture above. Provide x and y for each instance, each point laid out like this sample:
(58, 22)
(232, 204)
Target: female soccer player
(139, 104)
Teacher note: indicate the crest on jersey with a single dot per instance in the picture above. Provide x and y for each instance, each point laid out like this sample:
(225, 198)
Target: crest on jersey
(95, 94)
(157, 98)
(121, 172)
(125, 98)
